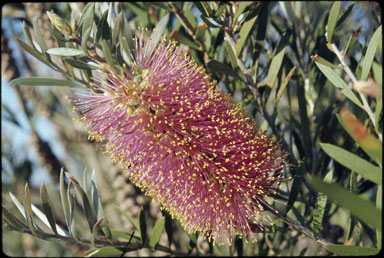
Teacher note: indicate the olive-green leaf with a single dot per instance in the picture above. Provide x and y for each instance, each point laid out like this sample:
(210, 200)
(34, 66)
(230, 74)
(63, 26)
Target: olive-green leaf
(142, 225)
(34, 53)
(318, 212)
(332, 20)
(353, 162)
(64, 51)
(156, 233)
(128, 217)
(13, 220)
(44, 197)
(277, 60)
(28, 209)
(244, 32)
(344, 250)
(40, 81)
(80, 64)
(370, 54)
(339, 83)
(86, 18)
(219, 67)
(364, 210)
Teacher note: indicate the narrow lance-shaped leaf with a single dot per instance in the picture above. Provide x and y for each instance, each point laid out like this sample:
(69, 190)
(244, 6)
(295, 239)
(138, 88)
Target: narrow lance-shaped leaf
(362, 135)
(129, 218)
(364, 210)
(39, 81)
(88, 212)
(156, 233)
(344, 250)
(64, 200)
(353, 162)
(103, 30)
(34, 53)
(370, 54)
(277, 60)
(44, 197)
(28, 209)
(332, 20)
(244, 32)
(86, 19)
(142, 225)
(283, 86)
(339, 83)
(13, 220)
(216, 66)
(321, 202)
(64, 51)
(39, 36)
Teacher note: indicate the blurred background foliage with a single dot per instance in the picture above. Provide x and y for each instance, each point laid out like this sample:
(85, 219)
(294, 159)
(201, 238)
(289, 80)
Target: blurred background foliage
(303, 98)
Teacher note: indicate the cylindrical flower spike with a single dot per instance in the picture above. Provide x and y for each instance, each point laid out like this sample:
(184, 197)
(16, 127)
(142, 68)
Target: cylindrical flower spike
(184, 141)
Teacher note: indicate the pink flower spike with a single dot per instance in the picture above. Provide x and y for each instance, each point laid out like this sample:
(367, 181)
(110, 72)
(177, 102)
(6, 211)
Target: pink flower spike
(184, 141)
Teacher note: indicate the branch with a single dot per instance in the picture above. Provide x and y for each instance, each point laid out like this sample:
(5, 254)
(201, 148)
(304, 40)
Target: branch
(101, 242)
(367, 108)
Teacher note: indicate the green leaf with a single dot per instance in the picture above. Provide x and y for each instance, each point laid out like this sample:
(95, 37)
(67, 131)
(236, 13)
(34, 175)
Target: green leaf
(64, 51)
(103, 30)
(84, 41)
(39, 81)
(379, 204)
(34, 53)
(80, 64)
(318, 212)
(344, 250)
(208, 22)
(104, 252)
(107, 53)
(13, 220)
(332, 20)
(129, 218)
(156, 233)
(39, 36)
(218, 67)
(277, 60)
(86, 19)
(242, 6)
(283, 86)
(339, 83)
(142, 225)
(379, 107)
(296, 186)
(88, 212)
(370, 54)
(362, 136)
(244, 32)
(64, 199)
(363, 209)
(117, 28)
(323, 61)
(28, 209)
(45, 202)
(353, 162)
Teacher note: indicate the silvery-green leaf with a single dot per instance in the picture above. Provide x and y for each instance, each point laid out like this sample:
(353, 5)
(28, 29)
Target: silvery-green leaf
(44, 197)
(65, 51)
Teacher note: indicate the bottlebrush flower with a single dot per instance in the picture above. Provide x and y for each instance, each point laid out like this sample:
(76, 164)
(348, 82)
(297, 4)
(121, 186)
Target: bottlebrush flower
(183, 141)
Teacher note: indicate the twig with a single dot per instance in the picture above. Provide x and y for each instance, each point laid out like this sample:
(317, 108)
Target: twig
(354, 81)
(102, 242)
(190, 29)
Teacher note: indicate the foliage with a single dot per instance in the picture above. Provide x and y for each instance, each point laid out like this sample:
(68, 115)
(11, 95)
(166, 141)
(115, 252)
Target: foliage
(281, 63)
